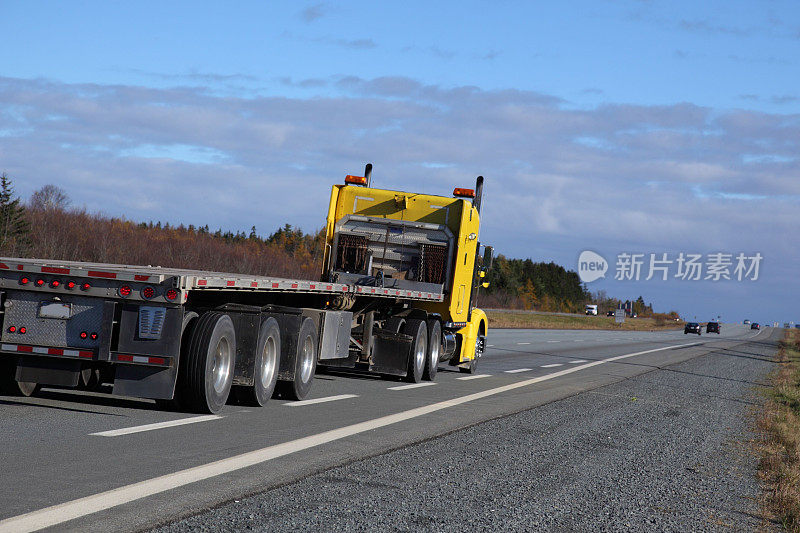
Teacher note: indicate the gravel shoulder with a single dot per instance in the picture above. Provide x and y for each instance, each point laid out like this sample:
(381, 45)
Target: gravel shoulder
(667, 450)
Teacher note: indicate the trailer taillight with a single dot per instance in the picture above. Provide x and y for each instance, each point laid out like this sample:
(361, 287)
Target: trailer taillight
(125, 291)
(55, 283)
(39, 282)
(85, 287)
(93, 336)
(171, 294)
(148, 292)
(355, 180)
(24, 280)
(83, 335)
(23, 330)
(71, 284)
(463, 193)
(12, 329)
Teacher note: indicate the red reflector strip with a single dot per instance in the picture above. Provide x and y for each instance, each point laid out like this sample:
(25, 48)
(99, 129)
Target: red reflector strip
(294, 285)
(28, 349)
(202, 282)
(83, 353)
(254, 284)
(156, 360)
(3, 265)
(55, 351)
(19, 267)
(274, 285)
(127, 358)
(230, 283)
(139, 277)
(328, 287)
(54, 270)
(98, 274)
(312, 286)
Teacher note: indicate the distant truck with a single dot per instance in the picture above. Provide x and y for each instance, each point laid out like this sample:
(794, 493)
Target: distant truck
(591, 310)
(396, 297)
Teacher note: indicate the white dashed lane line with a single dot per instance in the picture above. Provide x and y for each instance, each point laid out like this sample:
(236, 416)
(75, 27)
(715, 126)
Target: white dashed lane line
(553, 341)
(476, 376)
(552, 365)
(518, 370)
(412, 386)
(157, 425)
(320, 400)
(521, 343)
(576, 361)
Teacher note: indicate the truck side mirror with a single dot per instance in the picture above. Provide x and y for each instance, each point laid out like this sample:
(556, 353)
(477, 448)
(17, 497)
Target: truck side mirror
(487, 257)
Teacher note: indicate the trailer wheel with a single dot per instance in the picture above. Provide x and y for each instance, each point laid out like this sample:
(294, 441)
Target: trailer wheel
(394, 324)
(177, 403)
(265, 374)
(304, 366)
(10, 386)
(434, 348)
(419, 349)
(209, 362)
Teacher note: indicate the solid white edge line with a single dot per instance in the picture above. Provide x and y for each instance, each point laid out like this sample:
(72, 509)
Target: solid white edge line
(58, 514)
(320, 400)
(517, 370)
(157, 425)
(476, 376)
(412, 386)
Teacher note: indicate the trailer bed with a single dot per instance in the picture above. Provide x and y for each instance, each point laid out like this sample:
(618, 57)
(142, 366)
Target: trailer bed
(196, 280)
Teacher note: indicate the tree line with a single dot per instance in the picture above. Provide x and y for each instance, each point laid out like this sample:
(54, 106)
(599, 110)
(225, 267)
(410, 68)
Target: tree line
(48, 227)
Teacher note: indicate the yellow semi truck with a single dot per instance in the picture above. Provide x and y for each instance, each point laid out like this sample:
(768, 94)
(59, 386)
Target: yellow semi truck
(396, 297)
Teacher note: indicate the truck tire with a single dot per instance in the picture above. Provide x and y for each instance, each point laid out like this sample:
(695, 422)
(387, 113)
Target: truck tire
(305, 364)
(394, 324)
(210, 358)
(434, 348)
(480, 344)
(10, 386)
(265, 373)
(176, 403)
(418, 329)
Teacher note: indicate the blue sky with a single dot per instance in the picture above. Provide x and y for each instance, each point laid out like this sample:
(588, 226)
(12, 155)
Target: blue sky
(636, 126)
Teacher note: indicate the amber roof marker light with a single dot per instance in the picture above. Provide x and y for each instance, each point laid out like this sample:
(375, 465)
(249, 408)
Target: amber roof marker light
(364, 180)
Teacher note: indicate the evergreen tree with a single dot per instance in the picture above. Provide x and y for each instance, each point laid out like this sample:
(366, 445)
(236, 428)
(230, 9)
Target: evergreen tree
(14, 227)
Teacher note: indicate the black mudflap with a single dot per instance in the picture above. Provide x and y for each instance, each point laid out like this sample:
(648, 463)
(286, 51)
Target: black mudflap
(390, 353)
(48, 371)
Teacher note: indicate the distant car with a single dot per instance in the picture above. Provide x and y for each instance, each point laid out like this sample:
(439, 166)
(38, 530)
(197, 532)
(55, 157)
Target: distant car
(692, 327)
(611, 313)
(746, 322)
(712, 327)
(755, 325)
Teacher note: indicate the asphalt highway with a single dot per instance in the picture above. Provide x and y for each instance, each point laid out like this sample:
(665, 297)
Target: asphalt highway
(95, 462)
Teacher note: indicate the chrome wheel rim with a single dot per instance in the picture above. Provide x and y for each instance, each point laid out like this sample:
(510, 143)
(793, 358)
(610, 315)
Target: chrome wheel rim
(221, 369)
(420, 355)
(268, 362)
(307, 363)
(435, 352)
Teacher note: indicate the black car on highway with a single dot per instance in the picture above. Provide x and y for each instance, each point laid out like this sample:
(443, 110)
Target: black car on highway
(712, 327)
(755, 325)
(692, 327)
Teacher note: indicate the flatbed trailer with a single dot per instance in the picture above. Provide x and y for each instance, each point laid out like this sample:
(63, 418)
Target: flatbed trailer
(395, 298)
